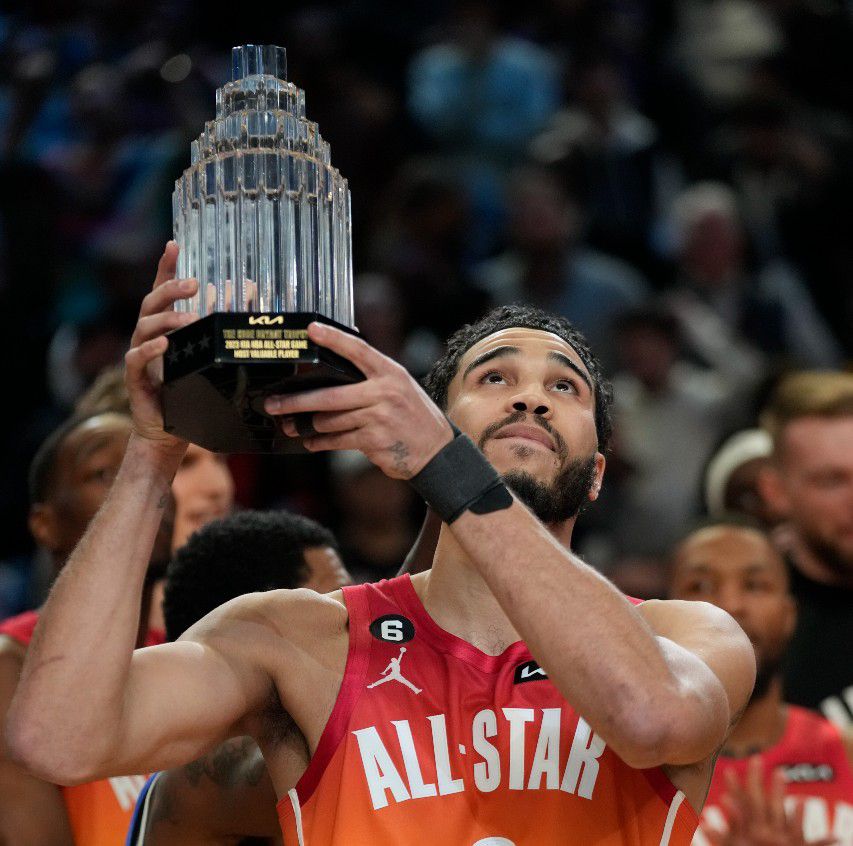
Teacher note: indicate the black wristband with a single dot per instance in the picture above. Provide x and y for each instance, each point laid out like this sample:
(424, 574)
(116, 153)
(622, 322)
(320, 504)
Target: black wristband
(459, 478)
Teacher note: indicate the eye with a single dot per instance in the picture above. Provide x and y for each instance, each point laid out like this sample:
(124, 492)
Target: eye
(565, 386)
(493, 377)
(697, 587)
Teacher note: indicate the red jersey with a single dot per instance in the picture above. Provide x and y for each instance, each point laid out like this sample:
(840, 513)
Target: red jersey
(811, 753)
(99, 812)
(431, 740)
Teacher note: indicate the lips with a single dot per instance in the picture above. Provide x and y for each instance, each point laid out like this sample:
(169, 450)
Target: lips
(529, 433)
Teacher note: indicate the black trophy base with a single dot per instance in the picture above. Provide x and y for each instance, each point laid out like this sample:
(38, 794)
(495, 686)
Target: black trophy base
(218, 371)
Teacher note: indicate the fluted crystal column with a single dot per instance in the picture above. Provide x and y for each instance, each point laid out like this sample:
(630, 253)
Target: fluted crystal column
(261, 216)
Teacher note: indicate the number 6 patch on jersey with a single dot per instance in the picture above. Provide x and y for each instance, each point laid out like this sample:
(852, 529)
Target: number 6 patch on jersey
(392, 628)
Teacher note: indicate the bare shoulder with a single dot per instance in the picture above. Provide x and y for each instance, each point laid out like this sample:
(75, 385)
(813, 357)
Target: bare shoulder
(666, 616)
(713, 636)
(287, 614)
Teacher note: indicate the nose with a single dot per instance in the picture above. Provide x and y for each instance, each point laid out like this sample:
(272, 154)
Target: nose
(730, 599)
(532, 402)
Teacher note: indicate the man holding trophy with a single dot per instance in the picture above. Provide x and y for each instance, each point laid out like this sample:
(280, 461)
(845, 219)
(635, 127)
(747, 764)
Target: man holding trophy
(627, 702)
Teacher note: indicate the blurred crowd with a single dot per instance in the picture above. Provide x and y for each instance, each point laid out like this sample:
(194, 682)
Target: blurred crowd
(674, 177)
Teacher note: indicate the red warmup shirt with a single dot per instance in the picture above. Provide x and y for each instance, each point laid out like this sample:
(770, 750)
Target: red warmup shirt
(811, 753)
(99, 812)
(433, 741)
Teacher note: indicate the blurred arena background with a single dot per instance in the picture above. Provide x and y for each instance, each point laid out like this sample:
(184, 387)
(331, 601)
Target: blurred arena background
(675, 177)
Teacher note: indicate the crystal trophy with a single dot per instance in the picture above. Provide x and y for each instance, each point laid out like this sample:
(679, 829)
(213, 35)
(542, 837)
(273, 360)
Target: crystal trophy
(262, 221)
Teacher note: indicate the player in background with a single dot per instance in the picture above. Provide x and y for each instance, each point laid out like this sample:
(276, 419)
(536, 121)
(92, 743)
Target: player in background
(227, 795)
(811, 482)
(784, 776)
(69, 479)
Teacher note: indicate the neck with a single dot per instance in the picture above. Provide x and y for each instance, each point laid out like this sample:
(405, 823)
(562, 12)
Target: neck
(761, 726)
(809, 563)
(459, 600)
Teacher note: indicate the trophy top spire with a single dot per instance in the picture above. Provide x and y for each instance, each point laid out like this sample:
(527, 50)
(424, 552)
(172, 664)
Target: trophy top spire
(258, 60)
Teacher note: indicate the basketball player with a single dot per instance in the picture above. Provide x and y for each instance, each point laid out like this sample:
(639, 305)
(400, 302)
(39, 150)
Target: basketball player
(227, 795)
(69, 479)
(810, 481)
(606, 736)
(776, 748)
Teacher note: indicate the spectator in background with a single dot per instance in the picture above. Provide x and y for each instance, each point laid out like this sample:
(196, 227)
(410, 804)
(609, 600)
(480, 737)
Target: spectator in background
(547, 265)
(732, 478)
(376, 526)
(733, 318)
(480, 96)
(69, 480)
(481, 92)
(776, 749)
(227, 794)
(669, 415)
(382, 314)
(811, 481)
(422, 245)
(606, 150)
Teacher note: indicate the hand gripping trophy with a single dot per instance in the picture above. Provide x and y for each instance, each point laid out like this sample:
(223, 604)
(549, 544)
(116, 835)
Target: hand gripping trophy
(262, 220)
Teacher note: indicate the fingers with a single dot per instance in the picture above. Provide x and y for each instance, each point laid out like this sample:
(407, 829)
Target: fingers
(776, 810)
(138, 358)
(368, 360)
(340, 440)
(167, 265)
(167, 294)
(159, 324)
(341, 398)
(758, 805)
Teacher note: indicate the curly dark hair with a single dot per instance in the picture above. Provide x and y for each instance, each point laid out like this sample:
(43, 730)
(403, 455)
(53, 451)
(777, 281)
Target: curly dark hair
(441, 374)
(245, 552)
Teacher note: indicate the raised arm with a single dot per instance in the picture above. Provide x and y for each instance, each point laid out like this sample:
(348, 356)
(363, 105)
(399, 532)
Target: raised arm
(87, 705)
(660, 685)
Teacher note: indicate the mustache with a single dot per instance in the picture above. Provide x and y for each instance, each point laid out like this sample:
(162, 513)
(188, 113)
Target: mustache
(521, 417)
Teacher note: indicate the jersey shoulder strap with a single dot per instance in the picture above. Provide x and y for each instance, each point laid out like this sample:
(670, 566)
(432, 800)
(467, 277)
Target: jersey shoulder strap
(139, 821)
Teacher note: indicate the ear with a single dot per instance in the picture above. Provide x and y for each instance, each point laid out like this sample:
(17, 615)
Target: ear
(598, 479)
(43, 526)
(771, 486)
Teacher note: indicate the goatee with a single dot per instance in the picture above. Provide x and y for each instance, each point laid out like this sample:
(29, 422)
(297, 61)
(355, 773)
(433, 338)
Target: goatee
(561, 499)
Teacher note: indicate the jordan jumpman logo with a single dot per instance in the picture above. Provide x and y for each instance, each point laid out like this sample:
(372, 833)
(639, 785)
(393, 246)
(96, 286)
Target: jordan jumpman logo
(392, 673)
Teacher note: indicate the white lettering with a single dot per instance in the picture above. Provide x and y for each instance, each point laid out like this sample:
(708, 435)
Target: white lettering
(410, 760)
(842, 827)
(546, 759)
(391, 630)
(379, 769)
(487, 773)
(127, 790)
(582, 766)
(517, 717)
(446, 782)
(815, 818)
